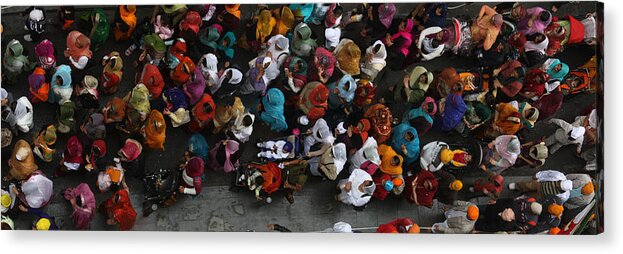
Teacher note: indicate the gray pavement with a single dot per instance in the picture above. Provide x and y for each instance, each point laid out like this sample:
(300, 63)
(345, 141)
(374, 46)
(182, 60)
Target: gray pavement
(217, 208)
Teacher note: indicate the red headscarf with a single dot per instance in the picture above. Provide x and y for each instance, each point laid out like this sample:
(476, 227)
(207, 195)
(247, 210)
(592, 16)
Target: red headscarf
(182, 71)
(122, 210)
(78, 45)
(194, 167)
(73, 150)
(178, 49)
(155, 88)
(198, 109)
(101, 146)
(131, 150)
(192, 22)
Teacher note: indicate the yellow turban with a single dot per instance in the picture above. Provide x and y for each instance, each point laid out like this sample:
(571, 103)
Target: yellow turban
(6, 200)
(43, 224)
(446, 155)
(456, 185)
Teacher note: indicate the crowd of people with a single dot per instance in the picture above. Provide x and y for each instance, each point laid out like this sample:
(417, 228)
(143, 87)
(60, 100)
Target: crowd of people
(318, 80)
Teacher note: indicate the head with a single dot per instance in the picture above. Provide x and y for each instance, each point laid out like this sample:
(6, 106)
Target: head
(423, 78)
(558, 67)
(566, 185)
(430, 108)
(446, 155)
(497, 20)
(42, 224)
(472, 213)
(555, 209)
(439, 10)
(409, 136)
(247, 120)
(508, 215)
(6, 200)
(287, 147)
(588, 188)
(368, 187)
(395, 161)
(414, 229)
(456, 185)
(538, 38)
(59, 80)
(468, 157)
(79, 200)
(518, 11)
(428, 185)
(545, 16)
(338, 11)
(457, 88)
(397, 181)
(298, 66)
(226, 41)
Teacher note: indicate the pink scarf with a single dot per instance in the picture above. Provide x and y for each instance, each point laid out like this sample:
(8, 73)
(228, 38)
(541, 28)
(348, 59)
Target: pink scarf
(406, 34)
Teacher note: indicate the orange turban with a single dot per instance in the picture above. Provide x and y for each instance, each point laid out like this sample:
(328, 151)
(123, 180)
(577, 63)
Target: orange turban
(588, 188)
(555, 209)
(472, 212)
(415, 229)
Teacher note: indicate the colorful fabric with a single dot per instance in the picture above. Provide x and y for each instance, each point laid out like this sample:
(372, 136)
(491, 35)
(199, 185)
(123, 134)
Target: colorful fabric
(155, 130)
(273, 105)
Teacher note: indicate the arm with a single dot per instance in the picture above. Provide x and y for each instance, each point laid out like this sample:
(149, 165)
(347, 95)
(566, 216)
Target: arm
(197, 187)
(319, 151)
(561, 123)
(550, 175)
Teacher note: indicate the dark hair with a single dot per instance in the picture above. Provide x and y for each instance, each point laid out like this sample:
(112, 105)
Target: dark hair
(259, 181)
(79, 201)
(545, 16)
(247, 120)
(377, 48)
(435, 43)
(6, 226)
(207, 107)
(338, 10)
(410, 135)
(395, 159)
(430, 106)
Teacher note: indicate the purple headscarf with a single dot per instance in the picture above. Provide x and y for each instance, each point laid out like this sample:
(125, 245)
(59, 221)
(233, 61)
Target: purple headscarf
(194, 88)
(386, 14)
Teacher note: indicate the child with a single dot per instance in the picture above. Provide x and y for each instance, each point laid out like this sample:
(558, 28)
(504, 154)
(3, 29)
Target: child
(275, 150)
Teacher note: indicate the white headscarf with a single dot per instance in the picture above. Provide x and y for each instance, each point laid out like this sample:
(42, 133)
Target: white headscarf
(209, 65)
(367, 152)
(380, 56)
(541, 47)
(240, 131)
(322, 133)
(236, 76)
(24, 114)
(37, 190)
(332, 37)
